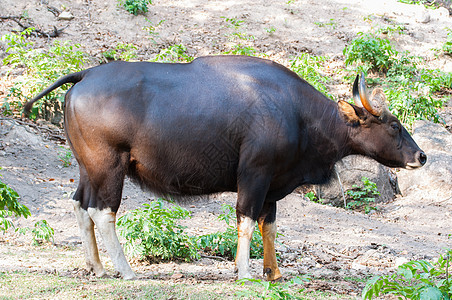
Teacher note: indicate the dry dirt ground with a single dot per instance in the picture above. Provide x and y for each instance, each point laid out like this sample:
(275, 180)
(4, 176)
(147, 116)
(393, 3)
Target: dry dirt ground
(324, 241)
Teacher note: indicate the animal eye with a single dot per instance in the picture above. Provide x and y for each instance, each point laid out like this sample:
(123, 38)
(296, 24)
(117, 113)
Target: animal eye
(395, 126)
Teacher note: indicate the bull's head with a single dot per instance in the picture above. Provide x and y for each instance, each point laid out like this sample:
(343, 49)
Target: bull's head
(376, 132)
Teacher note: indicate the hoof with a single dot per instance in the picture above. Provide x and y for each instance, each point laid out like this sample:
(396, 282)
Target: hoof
(272, 276)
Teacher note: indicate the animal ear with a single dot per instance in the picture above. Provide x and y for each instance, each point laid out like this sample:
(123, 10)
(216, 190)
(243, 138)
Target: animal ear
(348, 112)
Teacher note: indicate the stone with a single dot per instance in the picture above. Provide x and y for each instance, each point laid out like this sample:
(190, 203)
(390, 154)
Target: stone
(436, 142)
(424, 17)
(351, 170)
(65, 15)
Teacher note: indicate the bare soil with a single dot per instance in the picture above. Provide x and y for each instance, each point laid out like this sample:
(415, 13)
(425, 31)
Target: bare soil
(330, 243)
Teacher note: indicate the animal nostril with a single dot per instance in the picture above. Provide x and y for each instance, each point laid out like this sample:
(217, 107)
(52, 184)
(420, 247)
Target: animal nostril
(422, 158)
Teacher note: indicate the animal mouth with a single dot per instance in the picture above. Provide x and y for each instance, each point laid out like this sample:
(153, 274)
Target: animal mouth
(421, 159)
(412, 166)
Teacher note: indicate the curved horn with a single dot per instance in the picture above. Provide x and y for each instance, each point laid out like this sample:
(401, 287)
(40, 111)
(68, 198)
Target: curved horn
(356, 92)
(375, 109)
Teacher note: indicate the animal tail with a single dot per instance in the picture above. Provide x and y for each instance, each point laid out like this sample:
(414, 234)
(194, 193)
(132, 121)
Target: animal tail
(70, 78)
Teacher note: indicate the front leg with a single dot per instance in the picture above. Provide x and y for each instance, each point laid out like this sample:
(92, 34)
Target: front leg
(267, 227)
(252, 189)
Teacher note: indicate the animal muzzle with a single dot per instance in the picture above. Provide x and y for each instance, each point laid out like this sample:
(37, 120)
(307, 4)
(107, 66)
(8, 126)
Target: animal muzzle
(420, 160)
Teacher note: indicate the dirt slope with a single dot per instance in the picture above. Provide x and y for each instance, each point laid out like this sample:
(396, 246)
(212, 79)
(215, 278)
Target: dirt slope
(325, 241)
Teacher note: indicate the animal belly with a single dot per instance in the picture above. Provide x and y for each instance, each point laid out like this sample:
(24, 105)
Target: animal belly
(182, 175)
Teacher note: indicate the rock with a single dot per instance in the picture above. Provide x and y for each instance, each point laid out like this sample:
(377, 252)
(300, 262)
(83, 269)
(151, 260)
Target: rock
(436, 142)
(351, 170)
(424, 17)
(20, 133)
(65, 15)
(400, 261)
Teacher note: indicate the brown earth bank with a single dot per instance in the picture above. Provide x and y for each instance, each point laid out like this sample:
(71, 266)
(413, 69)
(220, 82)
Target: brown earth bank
(327, 242)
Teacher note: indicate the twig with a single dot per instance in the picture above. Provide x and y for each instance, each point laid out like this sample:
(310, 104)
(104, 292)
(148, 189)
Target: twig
(334, 253)
(342, 188)
(214, 257)
(55, 33)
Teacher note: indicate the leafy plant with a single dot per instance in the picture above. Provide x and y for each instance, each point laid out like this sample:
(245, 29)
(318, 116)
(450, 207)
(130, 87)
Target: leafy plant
(151, 29)
(272, 290)
(374, 52)
(135, 6)
(152, 233)
(225, 243)
(175, 53)
(270, 30)
(41, 231)
(309, 68)
(65, 157)
(331, 23)
(447, 47)
(10, 206)
(414, 91)
(241, 49)
(238, 31)
(363, 197)
(240, 37)
(415, 280)
(41, 68)
(125, 52)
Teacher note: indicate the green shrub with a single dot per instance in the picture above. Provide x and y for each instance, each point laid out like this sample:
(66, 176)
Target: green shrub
(373, 52)
(225, 243)
(415, 280)
(40, 232)
(135, 6)
(65, 157)
(447, 47)
(413, 91)
(175, 53)
(309, 68)
(41, 68)
(152, 233)
(125, 52)
(10, 206)
(362, 197)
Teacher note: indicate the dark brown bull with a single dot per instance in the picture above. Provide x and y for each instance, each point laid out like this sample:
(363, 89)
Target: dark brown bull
(223, 123)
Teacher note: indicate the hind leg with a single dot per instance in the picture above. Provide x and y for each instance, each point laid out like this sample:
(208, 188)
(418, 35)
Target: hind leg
(105, 221)
(86, 226)
(99, 195)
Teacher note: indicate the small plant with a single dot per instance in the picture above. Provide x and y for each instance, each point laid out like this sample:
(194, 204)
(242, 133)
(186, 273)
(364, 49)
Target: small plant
(152, 233)
(270, 30)
(415, 280)
(447, 47)
(313, 197)
(331, 23)
(41, 232)
(65, 157)
(135, 7)
(151, 29)
(175, 53)
(10, 206)
(272, 290)
(238, 31)
(309, 68)
(125, 52)
(225, 243)
(374, 52)
(363, 197)
(241, 49)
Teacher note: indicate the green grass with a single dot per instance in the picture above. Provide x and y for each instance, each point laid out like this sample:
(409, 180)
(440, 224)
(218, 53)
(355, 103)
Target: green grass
(25, 285)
